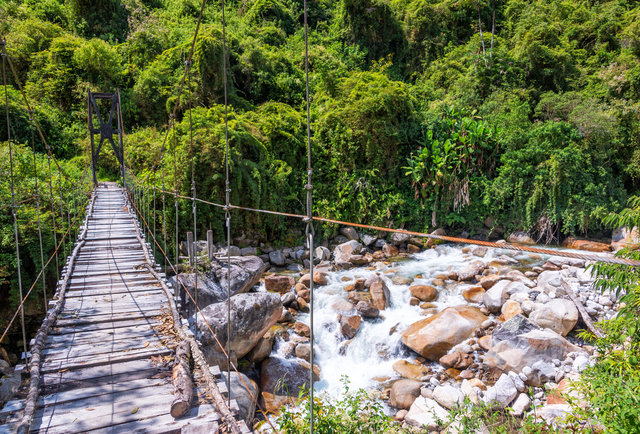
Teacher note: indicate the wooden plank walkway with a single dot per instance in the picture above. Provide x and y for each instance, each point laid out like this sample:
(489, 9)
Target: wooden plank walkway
(107, 362)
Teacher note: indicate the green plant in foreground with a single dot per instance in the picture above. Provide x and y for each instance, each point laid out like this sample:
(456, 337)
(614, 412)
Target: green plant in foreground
(356, 412)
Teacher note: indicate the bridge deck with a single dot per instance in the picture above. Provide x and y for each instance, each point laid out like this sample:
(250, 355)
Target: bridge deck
(108, 360)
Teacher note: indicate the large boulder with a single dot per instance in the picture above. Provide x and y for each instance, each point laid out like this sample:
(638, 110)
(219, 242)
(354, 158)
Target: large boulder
(9, 382)
(344, 251)
(448, 396)
(350, 233)
(281, 381)
(426, 413)
(558, 315)
(591, 246)
(279, 283)
(519, 342)
(212, 286)
(252, 315)
(424, 292)
(397, 238)
(403, 393)
(239, 392)
(433, 337)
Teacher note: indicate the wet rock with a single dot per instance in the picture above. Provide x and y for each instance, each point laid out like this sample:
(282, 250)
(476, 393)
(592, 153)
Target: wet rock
(425, 413)
(279, 283)
(488, 281)
(474, 294)
(319, 278)
(342, 306)
(303, 351)
(367, 310)
(448, 396)
(521, 238)
(433, 337)
(349, 325)
(424, 292)
(558, 315)
(406, 369)
(380, 295)
(401, 280)
(413, 249)
(403, 393)
(251, 317)
(287, 298)
(471, 270)
(479, 251)
(389, 250)
(246, 403)
(302, 329)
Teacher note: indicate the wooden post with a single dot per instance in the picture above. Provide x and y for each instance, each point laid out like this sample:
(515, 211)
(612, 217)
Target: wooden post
(210, 244)
(190, 248)
(182, 383)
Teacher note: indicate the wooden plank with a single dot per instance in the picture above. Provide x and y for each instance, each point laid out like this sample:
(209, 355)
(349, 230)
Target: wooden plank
(97, 322)
(68, 339)
(90, 350)
(106, 359)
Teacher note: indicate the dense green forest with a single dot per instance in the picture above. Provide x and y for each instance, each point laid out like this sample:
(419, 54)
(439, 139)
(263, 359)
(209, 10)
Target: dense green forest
(468, 115)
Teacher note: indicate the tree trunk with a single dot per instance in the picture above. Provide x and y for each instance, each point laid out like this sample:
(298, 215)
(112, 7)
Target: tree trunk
(183, 386)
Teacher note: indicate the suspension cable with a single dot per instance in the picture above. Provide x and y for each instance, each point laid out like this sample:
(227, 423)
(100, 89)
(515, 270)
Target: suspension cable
(13, 194)
(36, 194)
(227, 192)
(309, 231)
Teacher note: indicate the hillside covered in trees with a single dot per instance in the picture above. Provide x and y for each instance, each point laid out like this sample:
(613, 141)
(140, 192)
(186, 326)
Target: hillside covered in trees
(486, 116)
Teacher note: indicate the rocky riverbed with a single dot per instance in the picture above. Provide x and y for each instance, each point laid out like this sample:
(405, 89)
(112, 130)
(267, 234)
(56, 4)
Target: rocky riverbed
(420, 326)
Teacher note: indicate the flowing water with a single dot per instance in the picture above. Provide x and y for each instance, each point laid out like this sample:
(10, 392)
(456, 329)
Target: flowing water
(377, 345)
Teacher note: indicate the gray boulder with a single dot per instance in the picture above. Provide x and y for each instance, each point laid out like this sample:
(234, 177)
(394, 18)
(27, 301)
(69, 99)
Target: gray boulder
(559, 315)
(9, 382)
(350, 233)
(397, 238)
(251, 317)
(246, 404)
(496, 296)
(277, 258)
(368, 240)
(344, 251)
(502, 393)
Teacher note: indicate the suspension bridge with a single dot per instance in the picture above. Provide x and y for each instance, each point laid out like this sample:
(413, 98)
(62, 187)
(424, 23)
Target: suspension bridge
(112, 354)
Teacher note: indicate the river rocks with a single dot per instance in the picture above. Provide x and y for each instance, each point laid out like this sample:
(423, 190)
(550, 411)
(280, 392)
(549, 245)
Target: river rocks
(277, 258)
(488, 281)
(251, 317)
(342, 306)
(434, 336)
(552, 413)
(368, 240)
(591, 246)
(302, 329)
(281, 379)
(239, 385)
(319, 278)
(389, 250)
(9, 382)
(520, 405)
(474, 294)
(401, 280)
(521, 238)
(471, 271)
(510, 309)
(448, 396)
(406, 369)
(518, 343)
(367, 310)
(321, 253)
(350, 233)
(403, 393)
(425, 413)
(343, 252)
(457, 360)
(262, 349)
(397, 238)
(212, 287)
(279, 283)
(424, 292)
(380, 295)
(495, 297)
(502, 393)
(349, 325)
(558, 315)
(303, 351)
(479, 251)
